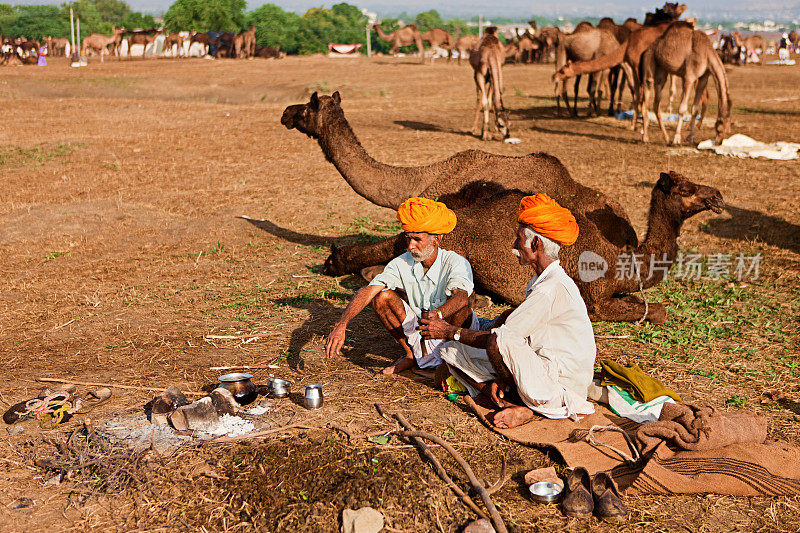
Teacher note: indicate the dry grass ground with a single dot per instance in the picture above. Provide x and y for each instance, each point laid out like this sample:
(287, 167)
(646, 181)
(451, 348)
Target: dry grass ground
(121, 247)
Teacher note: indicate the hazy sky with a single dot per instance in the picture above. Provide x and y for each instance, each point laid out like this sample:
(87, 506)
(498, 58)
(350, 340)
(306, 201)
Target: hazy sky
(705, 9)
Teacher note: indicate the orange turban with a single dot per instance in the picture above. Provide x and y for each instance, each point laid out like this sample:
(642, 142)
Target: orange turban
(420, 215)
(548, 219)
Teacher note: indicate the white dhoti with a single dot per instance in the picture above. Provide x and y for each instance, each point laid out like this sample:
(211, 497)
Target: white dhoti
(536, 377)
(430, 357)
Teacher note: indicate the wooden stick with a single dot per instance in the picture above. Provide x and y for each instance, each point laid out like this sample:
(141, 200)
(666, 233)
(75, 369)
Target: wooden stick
(113, 385)
(246, 367)
(439, 468)
(497, 520)
(298, 425)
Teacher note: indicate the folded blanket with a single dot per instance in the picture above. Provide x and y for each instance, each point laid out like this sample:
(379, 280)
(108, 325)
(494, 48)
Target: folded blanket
(632, 379)
(689, 427)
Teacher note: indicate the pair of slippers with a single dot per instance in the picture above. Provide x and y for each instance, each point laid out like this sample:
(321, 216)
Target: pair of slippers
(49, 401)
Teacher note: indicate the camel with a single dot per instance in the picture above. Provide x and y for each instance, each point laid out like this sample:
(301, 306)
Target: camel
(465, 45)
(529, 47)
(237, 46)
(616, 76)
(99, 42)
(439, 38)
(688, 53)
(670, 12)
(487, 69)
(628, 54)
(547, 38)
(173, 39)
(751, 45)
(144, 37)
(267, 52)
(604, 272)
(56, 46)
(405, 36)
(794, 38)
(201, 38)
(729, 50)
(249, 41)
(462, 178)
(581, 45)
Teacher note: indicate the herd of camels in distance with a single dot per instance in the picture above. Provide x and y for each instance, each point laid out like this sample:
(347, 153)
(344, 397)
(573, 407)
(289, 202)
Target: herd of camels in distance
(639, 56)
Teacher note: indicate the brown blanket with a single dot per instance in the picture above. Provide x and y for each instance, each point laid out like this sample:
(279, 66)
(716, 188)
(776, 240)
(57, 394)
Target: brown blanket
(739, 469)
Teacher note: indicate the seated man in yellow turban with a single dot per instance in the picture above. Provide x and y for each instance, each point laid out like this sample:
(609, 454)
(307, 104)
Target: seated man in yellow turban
(539, 357)
(424, 281)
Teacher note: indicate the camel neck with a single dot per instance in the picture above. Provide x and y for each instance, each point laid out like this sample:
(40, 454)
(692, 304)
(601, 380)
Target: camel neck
(660, 246)
(381, 184)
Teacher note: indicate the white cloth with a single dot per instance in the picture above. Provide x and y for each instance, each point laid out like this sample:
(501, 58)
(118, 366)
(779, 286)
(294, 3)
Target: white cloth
(432, 358)
(548, 345)
(739, 145)
(427, 290)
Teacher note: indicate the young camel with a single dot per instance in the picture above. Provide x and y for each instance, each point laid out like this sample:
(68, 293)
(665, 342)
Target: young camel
(405, 36)
(688, 53)
(486, 64)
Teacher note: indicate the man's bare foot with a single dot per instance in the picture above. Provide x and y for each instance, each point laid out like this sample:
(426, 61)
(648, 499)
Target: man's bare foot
(401, 365)
(512, 417)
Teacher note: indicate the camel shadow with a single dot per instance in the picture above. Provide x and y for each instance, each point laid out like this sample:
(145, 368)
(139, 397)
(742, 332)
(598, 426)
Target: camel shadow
(746, 224)
(425, 126)
(756, 111)
(365, 332)
(595, 136)
(309, 239)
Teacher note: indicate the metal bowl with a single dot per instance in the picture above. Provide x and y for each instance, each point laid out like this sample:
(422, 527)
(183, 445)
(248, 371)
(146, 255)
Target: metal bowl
(546, 491)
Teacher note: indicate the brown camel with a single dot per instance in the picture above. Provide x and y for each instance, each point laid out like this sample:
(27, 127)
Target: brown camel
(582, 45)
(56, 47)
(144, 37)
(547, 38)
(616, 76)
(405, 36)
(99, 42)
(487, 69)
(688, 53)
(669, 13)
(249, 41)
(753, 44)
(458, 180)
(794, 38)
(237, 45)
(201, 38)
(439, 38)
(529, 47)
(486, 228)
(465, 45)
(173, 39)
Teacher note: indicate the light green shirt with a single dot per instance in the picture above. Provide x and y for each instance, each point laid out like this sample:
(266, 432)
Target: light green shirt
(427, 290)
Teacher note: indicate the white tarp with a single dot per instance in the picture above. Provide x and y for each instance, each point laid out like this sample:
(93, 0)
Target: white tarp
(742, 146)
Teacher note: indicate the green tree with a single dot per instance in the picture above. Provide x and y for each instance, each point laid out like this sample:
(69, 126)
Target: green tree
(342, 23)
(136, 20)
(89, 16)
(276, 27)
(205, 15)
(112, 11)
(428, 20)
(34, 22)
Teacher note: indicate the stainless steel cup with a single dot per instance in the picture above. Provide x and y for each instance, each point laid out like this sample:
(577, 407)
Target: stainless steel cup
(280, 388)
(313, 397)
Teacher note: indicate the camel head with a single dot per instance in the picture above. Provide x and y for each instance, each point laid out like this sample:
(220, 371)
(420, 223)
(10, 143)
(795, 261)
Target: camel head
(307, 118)
(685, 198)
(564, 72)
(335, 265)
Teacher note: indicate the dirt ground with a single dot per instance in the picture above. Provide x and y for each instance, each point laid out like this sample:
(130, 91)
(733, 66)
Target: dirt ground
(123, 245)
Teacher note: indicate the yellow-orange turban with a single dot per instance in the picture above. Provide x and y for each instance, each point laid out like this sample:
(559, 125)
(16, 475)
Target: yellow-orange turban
(420, 215)
(548, 219)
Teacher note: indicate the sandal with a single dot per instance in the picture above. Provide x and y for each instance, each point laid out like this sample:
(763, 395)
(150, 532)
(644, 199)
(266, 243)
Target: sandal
(90, 400)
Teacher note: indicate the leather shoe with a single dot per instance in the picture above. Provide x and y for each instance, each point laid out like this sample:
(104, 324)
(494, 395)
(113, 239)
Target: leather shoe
(607, 503)
(578, 501)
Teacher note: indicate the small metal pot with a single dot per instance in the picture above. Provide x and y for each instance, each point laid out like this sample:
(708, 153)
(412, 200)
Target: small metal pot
(243, 390)
(279, 388)
(313, 398)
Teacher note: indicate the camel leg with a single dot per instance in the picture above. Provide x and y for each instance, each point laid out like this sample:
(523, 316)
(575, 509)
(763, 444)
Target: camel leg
(647, 88)
(627, 309)
(574, 110)
(699, 99)
(688, 82)
(660, 79)
(613, 80)
(485, 103)
(673, 88)
(630, 81)
(478, 104)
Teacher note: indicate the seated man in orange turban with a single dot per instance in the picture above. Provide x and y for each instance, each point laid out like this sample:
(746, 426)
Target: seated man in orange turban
(539, 357)
(424, 281)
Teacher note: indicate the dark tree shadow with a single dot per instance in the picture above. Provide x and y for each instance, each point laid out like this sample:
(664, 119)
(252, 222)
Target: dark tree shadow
(791, 405)
(746, 224)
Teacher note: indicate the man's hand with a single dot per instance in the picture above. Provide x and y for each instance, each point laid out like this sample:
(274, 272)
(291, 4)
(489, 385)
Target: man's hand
(335, 340)
(497, 392)
(435, 328)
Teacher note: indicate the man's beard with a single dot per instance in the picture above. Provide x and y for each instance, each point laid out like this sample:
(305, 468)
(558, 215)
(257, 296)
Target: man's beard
(423, 254)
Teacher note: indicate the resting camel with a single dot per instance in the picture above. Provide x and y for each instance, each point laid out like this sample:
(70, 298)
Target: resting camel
(405, 36)
(487, 69)
(465, 45)
(144, 38)
(99, 42)
(478, 185)
(268, 52)
(753, 43)
(439, 38)
(173, 39)
(688, 53)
